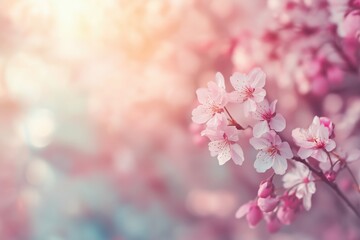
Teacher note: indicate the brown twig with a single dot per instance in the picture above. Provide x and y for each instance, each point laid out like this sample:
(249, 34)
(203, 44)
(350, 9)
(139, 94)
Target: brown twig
(332, 185)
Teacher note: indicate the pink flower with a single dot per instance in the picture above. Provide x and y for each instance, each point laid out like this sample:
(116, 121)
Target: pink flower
(300, 182)
(266, 188)
(272, 223)
(314, 141)
(223, 140)
(273, 153)
(351, 25)
(268, 118)
(212, 99)
(248, 89)
(252, 212)
(290, 206)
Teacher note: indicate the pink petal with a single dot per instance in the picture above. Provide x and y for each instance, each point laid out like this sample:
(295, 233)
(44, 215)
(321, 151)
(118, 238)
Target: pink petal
(235, 97)
(254, 216)
(257, 78)
(304, 153)
(219, 78)
(278, 123)
(216, 147)
(330, 145)
(285, 150)
(260, 128)
(201, 114)
(259, 143)
(320, 155)
(279, 165)
(259, 94)
(237, 154)
(307, 202)
(273, 106)
(203, 95)
(267, 204)
(244, 209)
(238, 80)
(224, 155)
(263, 162)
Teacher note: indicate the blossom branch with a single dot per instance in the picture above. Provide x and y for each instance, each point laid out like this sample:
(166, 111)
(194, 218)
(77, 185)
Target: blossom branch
(332, 185)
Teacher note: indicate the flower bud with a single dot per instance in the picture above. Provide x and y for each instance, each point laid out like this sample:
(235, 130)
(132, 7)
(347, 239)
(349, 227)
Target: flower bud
(273, 224)
(326, 122)
(330, 175)
(267, 204)
(254, 216)
(266, 188)
(286, 215)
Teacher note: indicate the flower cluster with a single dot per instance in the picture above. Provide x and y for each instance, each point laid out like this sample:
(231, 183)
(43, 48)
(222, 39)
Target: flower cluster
(318, 158)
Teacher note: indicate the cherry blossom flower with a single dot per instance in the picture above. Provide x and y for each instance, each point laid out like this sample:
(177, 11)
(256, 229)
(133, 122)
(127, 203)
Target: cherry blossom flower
(268, 118)
(300, 182)
(314, 141)
(273, 153)
(252, 212)
(223, 140)
(248, 89)
(290, 205)
(212, 99)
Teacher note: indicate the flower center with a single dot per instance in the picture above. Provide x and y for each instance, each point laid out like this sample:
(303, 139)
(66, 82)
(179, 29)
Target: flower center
(272, 151)
(248, 92)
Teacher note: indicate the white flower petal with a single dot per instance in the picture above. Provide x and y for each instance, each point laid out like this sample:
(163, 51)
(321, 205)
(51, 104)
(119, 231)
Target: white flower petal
(263, 162)
(280, 165)
(257, 78)
(285, 150)
(278, 123)
(238, 80)
(259, 143)
(305, 153)
(330, 145)
(237, 154)
(224, 155)
(201, 114)
(219, 78)
(260, 128)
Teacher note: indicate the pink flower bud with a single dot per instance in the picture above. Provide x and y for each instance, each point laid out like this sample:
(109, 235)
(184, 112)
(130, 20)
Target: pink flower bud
(273, 224)
(286, 215)
(266, 188)
(254, 216)
(326, 122)
(330, 175)
(267, 204)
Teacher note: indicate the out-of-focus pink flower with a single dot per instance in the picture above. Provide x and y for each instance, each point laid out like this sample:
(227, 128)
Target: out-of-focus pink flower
(351, 25)
(300, 182)
(273, 153)
(314, 141)
(268, 118)
(212, 100)
(223, 140)
(266, 188)
(290, 206)
(252, 212)
(267, 204)
(249, 89)
(272, 223)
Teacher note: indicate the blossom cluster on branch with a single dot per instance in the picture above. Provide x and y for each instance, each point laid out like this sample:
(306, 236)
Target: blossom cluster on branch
(311, 157)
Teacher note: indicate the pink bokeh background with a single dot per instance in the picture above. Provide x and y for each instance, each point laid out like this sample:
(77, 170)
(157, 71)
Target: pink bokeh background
(95, 112)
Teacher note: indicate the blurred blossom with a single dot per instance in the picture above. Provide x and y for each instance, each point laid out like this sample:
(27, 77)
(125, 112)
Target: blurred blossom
(95, 110)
